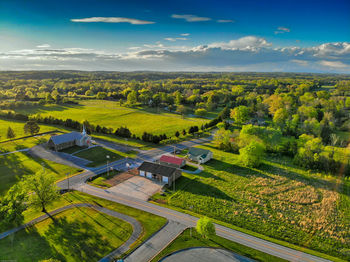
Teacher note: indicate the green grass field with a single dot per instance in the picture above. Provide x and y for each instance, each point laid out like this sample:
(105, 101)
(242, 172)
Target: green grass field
(98, 155)
(150, 224)
(277, 200)
(79, 234)
(190, 238)
(16, 165)
(110, 114)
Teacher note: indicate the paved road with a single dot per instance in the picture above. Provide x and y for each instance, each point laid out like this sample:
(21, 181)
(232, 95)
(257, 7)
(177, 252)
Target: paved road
(205, 254)
(58, 157)
(157, 242)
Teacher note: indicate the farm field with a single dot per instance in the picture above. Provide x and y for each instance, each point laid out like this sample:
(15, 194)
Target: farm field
(110, 114)
(16, 165)
(278, 200)
(190, 238)
(91, 235)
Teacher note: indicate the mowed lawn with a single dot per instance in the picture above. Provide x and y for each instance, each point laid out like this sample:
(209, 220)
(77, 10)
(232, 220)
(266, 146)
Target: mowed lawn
(14, 166)
(278, 200)
(98, 155)
(79, 234)
(110, 114)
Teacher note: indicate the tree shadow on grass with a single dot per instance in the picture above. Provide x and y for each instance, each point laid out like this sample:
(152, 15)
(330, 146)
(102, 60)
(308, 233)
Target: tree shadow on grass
(196, 187)
(78, 240)
(235, 169)
(28, 245)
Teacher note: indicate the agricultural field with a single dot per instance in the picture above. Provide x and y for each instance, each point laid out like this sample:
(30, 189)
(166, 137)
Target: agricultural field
(278, 200)
(110, 114)
(14, 166)
(92, 236)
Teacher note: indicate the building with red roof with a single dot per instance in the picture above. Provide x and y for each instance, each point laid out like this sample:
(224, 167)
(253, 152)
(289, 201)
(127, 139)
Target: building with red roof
(172, 161)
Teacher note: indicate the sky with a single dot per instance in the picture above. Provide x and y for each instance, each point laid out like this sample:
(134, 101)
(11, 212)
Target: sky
(205, 35)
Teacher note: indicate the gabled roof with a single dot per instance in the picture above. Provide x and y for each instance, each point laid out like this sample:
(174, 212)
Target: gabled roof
(158, 169)
(194, 151)
(171, 160)
(60, 139)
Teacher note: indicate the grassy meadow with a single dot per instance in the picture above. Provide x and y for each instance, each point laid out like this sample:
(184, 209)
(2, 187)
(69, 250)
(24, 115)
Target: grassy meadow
(277, 199)
(14, 166)
(79, 234)
(110, 114)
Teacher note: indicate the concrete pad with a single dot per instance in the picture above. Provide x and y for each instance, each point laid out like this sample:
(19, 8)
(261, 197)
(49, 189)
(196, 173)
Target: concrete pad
(137, 187)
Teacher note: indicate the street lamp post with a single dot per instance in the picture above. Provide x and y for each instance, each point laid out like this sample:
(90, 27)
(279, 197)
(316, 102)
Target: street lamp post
(68, 180)
(107, 156)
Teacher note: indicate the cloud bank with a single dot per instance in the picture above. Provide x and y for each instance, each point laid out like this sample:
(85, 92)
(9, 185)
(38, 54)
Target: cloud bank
(248, 53)
(191, 18)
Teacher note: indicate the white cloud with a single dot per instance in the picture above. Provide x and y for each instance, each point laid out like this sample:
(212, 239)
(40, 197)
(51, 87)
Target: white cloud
(186, 34)
(112, 20)
(43, 46)
(225, 21)
(173, 39)
(244, 43)
(335, 64)
(191, 18)
(282, 29)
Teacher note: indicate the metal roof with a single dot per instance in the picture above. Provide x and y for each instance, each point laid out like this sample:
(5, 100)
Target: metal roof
(195, 151)
(157, 169)
(60, 139)
(171, 160)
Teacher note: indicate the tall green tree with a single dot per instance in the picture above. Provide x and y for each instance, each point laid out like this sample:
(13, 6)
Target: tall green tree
(10, 133)
(240, 114)
(252, 154)
(31, 127)
(43, 188)
(205, 227)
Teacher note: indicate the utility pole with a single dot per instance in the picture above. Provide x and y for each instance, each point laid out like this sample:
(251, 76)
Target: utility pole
(107, 156)
(174, 182)
(68, 180)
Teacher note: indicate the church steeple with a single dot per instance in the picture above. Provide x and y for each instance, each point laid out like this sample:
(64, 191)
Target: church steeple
(84, 131)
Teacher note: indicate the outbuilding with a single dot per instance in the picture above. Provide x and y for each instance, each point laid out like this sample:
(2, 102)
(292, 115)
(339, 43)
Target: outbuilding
(172, 161)
(162, 173)
(199, 155)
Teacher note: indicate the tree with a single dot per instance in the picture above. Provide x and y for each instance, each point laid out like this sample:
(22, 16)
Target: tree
(132, 98)
(200, 112)
(43, 188)
(101, 95)
(31, 127)
(240, 114)
(10, 133)
(226, 140)
(205, 227)
(12, 205)
(181, 109)
(177, 134)
(252, 154)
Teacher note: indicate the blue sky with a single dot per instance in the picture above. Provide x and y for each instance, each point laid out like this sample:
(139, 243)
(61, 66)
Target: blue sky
(301, 36)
